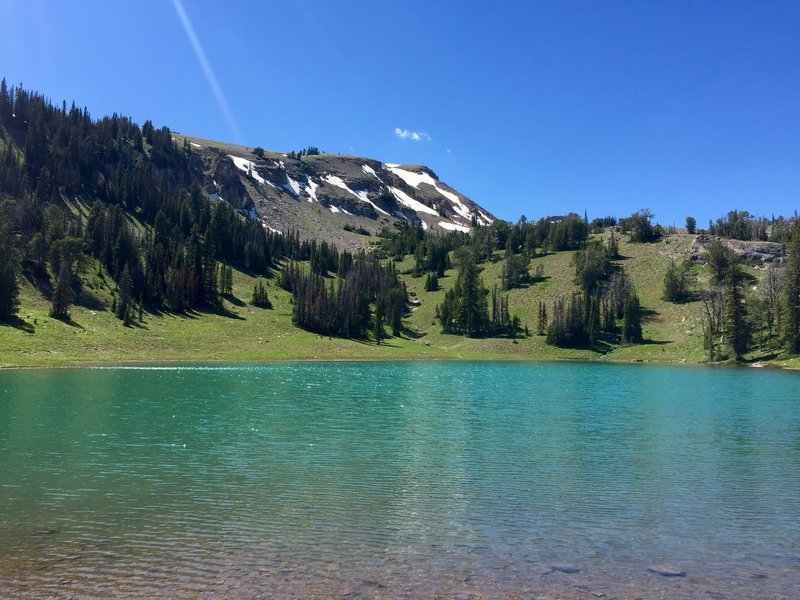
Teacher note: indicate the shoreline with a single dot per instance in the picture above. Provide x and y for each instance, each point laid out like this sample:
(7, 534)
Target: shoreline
(190, 362)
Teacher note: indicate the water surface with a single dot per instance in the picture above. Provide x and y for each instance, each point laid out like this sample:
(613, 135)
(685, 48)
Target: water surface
(393, 480)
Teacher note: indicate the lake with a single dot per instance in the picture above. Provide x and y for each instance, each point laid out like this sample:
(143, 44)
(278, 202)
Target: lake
(400, 480)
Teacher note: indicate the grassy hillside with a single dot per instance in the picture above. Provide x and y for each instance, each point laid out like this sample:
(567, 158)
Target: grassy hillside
(241, 332)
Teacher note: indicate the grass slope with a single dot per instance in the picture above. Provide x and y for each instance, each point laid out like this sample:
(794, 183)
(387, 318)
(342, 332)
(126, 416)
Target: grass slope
(241, 332)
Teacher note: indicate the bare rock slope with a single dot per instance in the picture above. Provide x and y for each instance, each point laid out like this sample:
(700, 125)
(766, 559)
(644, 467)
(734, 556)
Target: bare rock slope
(339, 198)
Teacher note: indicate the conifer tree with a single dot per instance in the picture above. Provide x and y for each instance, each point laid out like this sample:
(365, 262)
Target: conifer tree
(738, 331)
(62, 295)
(790, 320)
(676, 280)
(9, 266)
(260, 297)
(632, 321)
(5, 101)
(613, 247)
(125, 305)
(541, 327)
(378, 321)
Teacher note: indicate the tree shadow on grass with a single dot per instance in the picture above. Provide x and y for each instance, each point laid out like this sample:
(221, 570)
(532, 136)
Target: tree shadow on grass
(87, 299)
(648, 315)
(409, 333)
(137, 324)
(40, 281)
(224, 312)
(760, 358)
(69, 321)
(234, 300)
(383, 344)
(17, 323)
(605, 344)
(655, 342)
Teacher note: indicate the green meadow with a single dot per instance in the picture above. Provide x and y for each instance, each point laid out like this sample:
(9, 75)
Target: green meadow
(242, 332)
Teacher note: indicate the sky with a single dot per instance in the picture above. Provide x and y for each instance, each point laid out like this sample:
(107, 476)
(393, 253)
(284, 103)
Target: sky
(528, 108)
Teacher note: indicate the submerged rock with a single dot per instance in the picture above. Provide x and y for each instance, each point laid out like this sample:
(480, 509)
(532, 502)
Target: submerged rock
(667, 570)
(568, 569)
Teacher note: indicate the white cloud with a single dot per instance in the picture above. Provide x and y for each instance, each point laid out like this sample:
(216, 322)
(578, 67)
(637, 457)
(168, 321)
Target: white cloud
(415, 136)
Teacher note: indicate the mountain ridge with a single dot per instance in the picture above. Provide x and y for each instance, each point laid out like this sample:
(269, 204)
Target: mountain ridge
(336, 197)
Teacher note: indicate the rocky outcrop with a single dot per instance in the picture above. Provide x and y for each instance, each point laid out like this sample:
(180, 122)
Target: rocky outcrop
(748, 251)
(223, 180)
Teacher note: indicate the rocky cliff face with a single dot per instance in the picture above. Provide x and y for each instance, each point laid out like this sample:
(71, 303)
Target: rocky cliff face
(748, 251)
(328, 196)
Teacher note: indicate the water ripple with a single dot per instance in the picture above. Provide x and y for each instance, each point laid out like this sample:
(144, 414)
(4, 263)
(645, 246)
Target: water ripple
(399, 480)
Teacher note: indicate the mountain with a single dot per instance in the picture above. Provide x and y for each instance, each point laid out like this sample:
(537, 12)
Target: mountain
(338, 198)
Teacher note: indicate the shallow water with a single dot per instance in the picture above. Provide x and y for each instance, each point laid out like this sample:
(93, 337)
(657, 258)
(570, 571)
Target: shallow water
(392, 480)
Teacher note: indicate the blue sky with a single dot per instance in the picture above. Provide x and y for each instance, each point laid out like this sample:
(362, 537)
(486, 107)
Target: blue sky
(534, 108)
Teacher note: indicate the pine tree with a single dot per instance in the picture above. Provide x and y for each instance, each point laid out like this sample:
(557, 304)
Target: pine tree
(431, 282)
(541, 327)
(673, 291)
(632, 320)
(125, 306)
(738, 331)
(62, 296)
(720, 258)
(613, 247)
(260, 298)
(5, 101)
(9, 283)
(209, 274)
(790, 319)
(377, 328)
(464, 309)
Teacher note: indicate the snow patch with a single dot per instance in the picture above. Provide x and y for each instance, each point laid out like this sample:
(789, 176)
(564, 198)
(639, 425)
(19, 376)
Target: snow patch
(458, 206)
(416, 179)
(292, 186)
(311, 190)
(453, 227)
(250, 214)
(412, 179)
(195, 145)
(337, 181)
(414, 205)
(369, 170)
(248, 167)
(339, 209)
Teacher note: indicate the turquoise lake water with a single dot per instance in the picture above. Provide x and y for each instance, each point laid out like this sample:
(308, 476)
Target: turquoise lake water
(400, 480)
